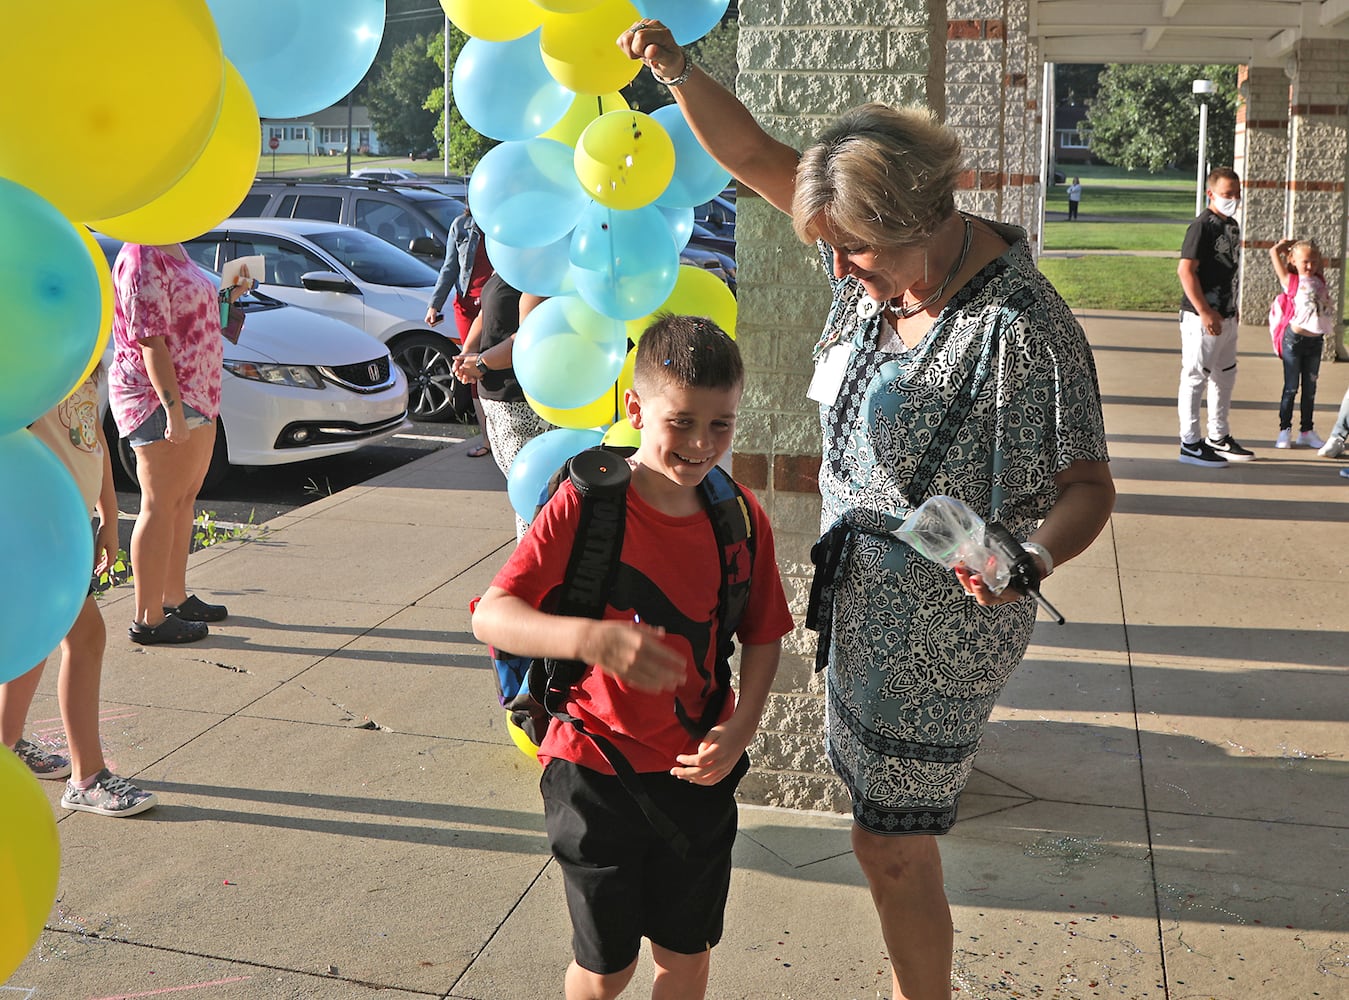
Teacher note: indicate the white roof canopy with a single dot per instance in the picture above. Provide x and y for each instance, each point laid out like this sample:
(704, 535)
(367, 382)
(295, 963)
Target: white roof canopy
(1254, 32)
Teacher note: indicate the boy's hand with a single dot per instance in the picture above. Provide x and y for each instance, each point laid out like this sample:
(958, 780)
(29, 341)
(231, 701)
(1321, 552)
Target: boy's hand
(105, 548)
(636, 655)
(719, 752)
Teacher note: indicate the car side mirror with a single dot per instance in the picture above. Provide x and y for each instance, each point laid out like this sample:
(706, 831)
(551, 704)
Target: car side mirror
(426, 246)
(326, 281)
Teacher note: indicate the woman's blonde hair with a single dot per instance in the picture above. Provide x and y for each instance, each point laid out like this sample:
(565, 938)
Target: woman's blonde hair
(885, 176)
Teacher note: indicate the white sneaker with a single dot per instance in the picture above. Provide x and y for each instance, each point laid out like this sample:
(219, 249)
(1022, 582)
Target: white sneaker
(1309, 439)
(1285, 438)
(1333, 448)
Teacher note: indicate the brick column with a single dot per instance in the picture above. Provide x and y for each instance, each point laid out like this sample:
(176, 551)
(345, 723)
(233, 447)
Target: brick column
(992, 101)
(801, 62)
(1318, 137)
(1261, 159)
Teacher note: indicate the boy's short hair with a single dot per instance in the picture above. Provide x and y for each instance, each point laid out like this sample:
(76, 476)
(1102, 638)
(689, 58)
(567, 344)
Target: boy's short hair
(1220, 174)
(689, 352)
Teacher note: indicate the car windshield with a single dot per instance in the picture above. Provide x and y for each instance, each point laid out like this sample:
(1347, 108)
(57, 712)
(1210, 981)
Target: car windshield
(371, 259)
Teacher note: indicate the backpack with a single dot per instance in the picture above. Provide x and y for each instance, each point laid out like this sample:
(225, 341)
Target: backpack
(1281, 313)
(535, 691)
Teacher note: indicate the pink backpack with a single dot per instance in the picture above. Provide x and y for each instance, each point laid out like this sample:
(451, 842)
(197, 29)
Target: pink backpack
(1281, 313)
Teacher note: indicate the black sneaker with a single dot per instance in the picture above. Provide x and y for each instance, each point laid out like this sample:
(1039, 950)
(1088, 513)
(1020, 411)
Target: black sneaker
(171, 629)
(1201, 454)
(1229, 449)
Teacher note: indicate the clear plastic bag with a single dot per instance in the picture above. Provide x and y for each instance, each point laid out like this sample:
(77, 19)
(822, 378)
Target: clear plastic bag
(946, 531)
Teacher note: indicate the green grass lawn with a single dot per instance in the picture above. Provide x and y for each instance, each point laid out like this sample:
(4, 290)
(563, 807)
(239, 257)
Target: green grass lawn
(1127, 284)
(1177, 180)
(298, 164)
(1114, 236)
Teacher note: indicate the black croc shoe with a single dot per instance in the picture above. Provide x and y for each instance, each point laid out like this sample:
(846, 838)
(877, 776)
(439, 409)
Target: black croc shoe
(171, 629)
(194, 609)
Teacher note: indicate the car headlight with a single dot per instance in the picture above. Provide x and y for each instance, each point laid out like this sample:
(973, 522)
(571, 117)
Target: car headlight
(301, 376)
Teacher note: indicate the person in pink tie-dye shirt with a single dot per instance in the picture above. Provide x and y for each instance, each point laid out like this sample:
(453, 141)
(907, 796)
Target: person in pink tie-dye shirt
(164, 391)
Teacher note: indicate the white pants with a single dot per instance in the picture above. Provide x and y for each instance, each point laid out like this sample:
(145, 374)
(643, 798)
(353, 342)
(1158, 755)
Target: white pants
(1209, 360)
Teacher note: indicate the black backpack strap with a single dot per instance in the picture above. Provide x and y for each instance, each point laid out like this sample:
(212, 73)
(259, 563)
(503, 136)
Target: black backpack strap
(729, 514)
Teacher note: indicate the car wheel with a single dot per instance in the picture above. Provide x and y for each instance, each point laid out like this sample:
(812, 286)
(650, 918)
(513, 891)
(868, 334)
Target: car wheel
(124, 458)
(434, 394)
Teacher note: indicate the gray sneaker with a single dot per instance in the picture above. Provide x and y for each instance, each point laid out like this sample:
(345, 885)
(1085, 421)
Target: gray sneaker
(1333, 448)
(49, 766)
(109, 795)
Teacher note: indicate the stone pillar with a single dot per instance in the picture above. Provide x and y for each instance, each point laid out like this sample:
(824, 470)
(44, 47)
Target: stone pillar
(1261, 160)
(801, 62)
(1318, 140)
(992, 101)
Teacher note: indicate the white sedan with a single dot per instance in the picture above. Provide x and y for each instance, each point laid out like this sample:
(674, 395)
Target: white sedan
(297, 386)
(350, 275)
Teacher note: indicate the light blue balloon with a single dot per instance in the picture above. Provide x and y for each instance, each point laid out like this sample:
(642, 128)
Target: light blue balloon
(688, 20)
(624, 263)
(535, 463)
(525, 194)
(697, 177)
(49, 552)
(50, 307)
(680, 220)
(542, 271)
(299, 56)
(504, 91)
(566, 354)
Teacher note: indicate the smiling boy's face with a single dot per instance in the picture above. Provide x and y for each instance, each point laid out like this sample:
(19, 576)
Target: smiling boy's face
(685, 430)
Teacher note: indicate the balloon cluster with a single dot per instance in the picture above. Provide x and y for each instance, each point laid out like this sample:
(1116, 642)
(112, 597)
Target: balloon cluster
(585, 201)
(77, 153)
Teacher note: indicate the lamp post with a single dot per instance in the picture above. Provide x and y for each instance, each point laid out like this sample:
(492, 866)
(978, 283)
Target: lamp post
(1202, 88)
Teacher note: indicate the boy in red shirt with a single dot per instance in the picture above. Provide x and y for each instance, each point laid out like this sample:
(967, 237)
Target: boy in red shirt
(623, 880)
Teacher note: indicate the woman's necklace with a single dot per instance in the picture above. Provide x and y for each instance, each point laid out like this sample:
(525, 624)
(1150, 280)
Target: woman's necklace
(904, 312)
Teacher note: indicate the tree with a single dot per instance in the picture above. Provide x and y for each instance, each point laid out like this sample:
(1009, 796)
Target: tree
(467, 147)
(397, 98)
(1075, 83)
(1146, 117)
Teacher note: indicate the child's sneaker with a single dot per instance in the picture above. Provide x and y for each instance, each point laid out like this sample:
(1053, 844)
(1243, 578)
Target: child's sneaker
(1309, 439)
(109, 795)
(49, 766)
(1230, 449)
(1285, 438)
(1333, 448)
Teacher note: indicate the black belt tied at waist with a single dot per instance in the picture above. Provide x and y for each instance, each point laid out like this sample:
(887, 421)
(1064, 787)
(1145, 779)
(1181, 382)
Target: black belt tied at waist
(829, 555)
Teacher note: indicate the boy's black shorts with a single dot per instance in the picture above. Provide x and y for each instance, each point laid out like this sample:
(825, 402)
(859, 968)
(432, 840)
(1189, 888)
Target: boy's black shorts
(625, 883)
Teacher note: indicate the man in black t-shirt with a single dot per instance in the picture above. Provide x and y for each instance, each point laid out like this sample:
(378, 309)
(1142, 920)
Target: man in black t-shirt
(1209, 271)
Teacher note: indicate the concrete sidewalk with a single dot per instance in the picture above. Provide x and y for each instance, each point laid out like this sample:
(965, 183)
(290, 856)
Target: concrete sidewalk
(1159, 810)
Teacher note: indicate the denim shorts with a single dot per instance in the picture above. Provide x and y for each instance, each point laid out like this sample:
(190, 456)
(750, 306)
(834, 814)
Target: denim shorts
(154, 426)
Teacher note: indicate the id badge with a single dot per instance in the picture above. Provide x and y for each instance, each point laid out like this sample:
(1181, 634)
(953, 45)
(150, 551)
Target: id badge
(830, 369)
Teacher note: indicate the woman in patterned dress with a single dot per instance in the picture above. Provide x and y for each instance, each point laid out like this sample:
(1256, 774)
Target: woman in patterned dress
(948, 365)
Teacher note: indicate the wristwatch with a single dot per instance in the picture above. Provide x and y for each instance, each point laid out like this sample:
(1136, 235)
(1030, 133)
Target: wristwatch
(481, 365)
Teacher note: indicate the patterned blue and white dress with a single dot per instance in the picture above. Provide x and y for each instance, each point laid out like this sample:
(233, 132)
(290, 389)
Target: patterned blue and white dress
(914, 664)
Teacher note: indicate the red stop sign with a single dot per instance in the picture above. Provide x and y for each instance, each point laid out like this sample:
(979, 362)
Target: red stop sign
(273, 142)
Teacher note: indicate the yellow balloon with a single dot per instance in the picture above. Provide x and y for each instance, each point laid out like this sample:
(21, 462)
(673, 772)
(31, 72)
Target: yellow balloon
(624, 159)
(494, 20)
(566, 6)
(105, 294)
(106, 106)
(213, 186)
(30, 860)
(585, 108)
(696, 293)
(579, 49)
(622, 435)
(521, 739)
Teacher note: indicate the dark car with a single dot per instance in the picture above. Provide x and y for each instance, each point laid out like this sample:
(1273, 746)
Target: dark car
(413, 217)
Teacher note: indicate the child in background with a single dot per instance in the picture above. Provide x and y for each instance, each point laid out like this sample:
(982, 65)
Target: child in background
(623, 881)
(1298, 262)
(72, 430)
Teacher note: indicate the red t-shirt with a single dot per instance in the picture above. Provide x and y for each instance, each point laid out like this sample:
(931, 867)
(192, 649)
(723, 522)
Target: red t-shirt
(669, 575)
